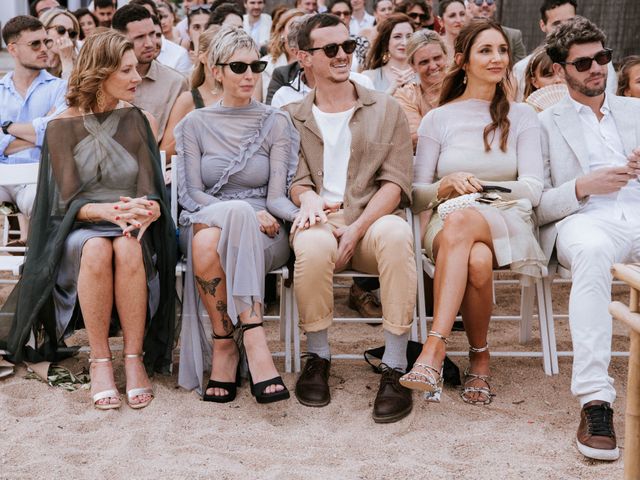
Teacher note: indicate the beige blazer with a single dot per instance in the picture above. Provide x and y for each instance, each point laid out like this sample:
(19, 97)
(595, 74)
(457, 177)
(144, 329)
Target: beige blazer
(381, 149)
(565, 157)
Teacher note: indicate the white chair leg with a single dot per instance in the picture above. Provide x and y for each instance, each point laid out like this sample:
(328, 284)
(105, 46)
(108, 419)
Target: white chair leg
(286, 319)
(551, 331)
(526, 312)
(544, 329)
(283, 301)
(296, 336)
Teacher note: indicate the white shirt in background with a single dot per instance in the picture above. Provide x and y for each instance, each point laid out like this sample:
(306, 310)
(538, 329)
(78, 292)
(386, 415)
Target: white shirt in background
(183, 29)
(355, 26)
(606, 150)
(336, 138)
(297, 89)
(259, 31)
(174, 56)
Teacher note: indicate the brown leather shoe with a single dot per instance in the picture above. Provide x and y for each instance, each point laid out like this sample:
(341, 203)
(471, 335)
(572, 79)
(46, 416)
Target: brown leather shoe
(365, 303)
(393, 401)
(312, 388)
(596, 437)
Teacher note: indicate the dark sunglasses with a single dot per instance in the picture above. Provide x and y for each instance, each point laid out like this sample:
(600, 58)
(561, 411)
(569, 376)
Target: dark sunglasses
(37, 44)
(199, 9)
(344, 13)
(240, 67)
(415, 16)
(61, 31)
(480, 2)
(331, 50)
(584, 63)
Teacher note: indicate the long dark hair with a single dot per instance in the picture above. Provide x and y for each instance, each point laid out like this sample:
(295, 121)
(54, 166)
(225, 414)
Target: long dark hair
(381, 43)
(454, 85)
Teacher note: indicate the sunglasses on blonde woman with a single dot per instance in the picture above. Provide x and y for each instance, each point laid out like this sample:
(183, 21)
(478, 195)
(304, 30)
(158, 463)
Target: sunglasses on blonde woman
(331, 50)
(240, 67)
(61, 31)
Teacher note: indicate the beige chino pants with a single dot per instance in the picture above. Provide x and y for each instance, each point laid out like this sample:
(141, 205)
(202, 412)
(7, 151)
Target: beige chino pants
(385, 250)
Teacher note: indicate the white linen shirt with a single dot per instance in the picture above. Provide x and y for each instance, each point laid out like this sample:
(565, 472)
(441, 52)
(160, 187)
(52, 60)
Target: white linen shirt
(606, 149)
(174, 56)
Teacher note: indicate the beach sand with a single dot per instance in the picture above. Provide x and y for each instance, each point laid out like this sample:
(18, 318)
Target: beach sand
(528, 432)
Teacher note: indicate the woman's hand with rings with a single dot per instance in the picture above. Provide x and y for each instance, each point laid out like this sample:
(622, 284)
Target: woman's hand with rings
(138, 213)
(459, 183)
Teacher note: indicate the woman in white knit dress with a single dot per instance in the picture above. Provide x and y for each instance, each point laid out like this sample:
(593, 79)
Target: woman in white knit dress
(474, 139)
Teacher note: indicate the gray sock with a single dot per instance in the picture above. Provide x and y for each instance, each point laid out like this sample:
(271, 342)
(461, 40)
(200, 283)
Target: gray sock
(395, 350)
(318, 343)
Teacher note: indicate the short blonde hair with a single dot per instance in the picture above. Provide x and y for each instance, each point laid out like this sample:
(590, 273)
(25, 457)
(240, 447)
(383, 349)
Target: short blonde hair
(421, 38)
(228, 41)
(100, 56)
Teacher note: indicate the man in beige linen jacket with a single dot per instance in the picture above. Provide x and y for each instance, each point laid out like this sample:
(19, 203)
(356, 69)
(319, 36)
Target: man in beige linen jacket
(356, 164)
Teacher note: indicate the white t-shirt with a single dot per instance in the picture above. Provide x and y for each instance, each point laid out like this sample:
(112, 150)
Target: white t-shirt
(336, 137)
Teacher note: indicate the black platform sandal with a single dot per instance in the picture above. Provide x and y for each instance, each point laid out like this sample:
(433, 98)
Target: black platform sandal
(257, 390)
(230, 387)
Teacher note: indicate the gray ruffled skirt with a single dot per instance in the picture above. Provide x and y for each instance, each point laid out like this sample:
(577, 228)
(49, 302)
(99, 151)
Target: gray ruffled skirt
(246, 255)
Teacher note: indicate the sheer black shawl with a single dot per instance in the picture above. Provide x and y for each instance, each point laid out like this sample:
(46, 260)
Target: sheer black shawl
(85, 159)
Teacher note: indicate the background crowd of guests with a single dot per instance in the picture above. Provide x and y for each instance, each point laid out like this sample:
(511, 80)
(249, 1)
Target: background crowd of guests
(309, 133)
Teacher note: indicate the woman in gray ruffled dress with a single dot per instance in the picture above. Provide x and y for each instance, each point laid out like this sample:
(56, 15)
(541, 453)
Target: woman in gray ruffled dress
(235, 160)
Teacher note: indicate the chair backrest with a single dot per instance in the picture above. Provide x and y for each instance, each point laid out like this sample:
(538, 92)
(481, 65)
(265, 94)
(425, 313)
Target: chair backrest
(18, 174)
(174, 189)
(163, 161)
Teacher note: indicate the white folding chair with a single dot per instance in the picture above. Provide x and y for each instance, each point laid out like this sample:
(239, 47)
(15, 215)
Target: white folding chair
(528, 296)
(350, 356)
(559, 274)
(282, 273)
(17, 174)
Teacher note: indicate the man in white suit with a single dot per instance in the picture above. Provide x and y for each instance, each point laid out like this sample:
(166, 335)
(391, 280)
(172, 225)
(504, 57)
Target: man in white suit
(590, 211)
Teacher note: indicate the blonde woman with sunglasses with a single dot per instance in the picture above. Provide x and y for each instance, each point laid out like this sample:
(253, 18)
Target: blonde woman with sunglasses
(63, 28)
(234, 161)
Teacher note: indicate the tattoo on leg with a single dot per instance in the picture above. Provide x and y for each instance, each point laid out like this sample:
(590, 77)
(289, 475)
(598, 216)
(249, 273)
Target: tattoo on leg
(209, 287)
(227, 324)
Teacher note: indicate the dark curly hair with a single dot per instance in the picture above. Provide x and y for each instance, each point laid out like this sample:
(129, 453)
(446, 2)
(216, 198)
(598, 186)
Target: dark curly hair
(576, 31)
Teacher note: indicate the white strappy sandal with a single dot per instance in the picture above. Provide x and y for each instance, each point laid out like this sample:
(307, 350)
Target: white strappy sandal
(428, 379)
(485, 396)
(111, 393)
(135, 392)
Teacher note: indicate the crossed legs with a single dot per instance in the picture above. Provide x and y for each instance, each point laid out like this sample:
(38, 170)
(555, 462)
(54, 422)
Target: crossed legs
(463, 276)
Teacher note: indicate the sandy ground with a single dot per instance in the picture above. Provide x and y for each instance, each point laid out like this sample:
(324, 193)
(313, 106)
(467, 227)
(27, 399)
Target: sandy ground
(528, 431)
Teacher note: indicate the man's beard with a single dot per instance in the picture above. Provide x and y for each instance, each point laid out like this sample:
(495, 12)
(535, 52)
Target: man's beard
(583, 89)
(33, 66)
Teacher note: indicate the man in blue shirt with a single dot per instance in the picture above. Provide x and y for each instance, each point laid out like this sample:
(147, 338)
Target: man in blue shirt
(29, 98)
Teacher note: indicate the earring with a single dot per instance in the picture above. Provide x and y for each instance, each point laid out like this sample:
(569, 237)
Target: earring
(100, 102)
(386, 56)
(464, 80)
